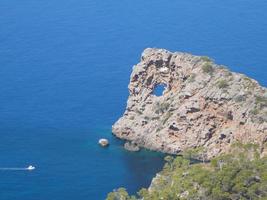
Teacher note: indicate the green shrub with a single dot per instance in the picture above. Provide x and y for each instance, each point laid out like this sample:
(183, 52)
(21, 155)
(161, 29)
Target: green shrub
(155, 118)
(222, 84)
(249, 84)
(255, 111)
(223, 67)
(161, 107)
(147, 118)
(207, 68)
(167, 116)
(120, 194)
(192, 78)
(131, 118)
(261, 101)
(159, 129)
(138, 111)
(206, 59)
(247, 79)
(228, 74)
(240, 98)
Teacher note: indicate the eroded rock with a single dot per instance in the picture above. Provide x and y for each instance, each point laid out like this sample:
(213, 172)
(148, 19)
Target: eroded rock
(131, 146)
(204, 104)
(103, 142)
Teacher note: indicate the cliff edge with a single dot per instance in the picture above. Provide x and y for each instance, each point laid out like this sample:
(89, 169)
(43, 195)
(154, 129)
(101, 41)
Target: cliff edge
(203, 105)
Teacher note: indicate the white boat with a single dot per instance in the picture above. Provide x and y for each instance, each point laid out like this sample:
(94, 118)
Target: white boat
(30, 167)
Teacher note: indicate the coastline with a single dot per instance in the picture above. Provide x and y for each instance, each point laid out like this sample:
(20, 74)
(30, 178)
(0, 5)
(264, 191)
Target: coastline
(203, 105)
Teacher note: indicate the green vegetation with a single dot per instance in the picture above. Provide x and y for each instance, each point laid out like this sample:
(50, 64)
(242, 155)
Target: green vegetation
(155, 118)
(192, 78)
(161, 107)
(227, 73)
(255, 111)
(261, 101)
(249, 83)
(146, 118)
(258, 113)
(195, 154)
(168, 115)
(207, 68)
(223, 67)
(240, 98)
(247, 79)
(138, 111)
(222, 84)
(206, 59)
(240, 174)
(120, 194)
(159, 129)
(131, 117)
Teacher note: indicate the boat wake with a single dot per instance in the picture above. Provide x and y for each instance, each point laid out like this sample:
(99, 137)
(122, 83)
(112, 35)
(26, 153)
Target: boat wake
(29, 168)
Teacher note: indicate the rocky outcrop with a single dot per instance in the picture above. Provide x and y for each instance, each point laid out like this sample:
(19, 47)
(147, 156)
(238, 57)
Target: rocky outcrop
(103, 142)
(131, 146)
(203, 104)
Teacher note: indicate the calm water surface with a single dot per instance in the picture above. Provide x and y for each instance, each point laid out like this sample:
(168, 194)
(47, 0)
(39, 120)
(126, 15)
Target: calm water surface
(64, 70)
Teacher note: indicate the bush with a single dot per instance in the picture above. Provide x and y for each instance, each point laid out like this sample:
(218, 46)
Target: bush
(120, 194)
(131, 118)
(261, 101)
(168, 115)
(161, 107)
(240, 98)
(222, 84)
(206, 59)
(147, 118)
(255, 111)
(249, 84)
(192, 78)
(207, 68)
(138, 112)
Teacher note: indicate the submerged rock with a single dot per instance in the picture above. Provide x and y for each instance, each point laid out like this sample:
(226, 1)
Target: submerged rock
(203, 104)
(103, 142)
(131, 146)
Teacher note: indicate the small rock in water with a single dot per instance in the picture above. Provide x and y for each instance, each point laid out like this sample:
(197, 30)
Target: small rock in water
(103, 142)
(131, 146)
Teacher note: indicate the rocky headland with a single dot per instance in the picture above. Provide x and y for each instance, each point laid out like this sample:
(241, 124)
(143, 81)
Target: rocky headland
(203, 105)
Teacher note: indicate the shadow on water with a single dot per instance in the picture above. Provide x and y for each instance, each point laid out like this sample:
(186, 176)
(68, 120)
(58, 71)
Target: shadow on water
(142, 165)
(132, 170)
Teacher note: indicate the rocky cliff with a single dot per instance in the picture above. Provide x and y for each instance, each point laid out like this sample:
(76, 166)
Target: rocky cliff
(203, 104)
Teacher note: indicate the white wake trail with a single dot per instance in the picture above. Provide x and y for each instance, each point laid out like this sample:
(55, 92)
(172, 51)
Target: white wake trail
(14, 168)
(29, 168)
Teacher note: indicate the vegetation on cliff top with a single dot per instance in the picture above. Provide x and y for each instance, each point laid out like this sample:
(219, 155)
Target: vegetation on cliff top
(240, 174)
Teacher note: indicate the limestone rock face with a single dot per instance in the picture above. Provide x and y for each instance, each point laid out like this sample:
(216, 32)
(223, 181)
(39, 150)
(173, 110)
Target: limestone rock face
(203, 104)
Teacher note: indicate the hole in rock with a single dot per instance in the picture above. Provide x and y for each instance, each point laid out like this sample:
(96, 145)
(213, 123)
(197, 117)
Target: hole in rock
(159, 89)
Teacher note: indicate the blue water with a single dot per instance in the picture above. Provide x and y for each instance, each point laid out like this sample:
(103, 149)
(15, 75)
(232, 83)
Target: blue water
(64, 70)
(159, 89)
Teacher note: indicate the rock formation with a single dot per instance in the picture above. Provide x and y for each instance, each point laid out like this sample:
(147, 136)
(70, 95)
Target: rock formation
(203, 104)
(131, 146)
(103, 142)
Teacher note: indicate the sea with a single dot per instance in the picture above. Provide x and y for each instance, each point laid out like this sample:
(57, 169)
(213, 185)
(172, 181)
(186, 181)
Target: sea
(64, 70)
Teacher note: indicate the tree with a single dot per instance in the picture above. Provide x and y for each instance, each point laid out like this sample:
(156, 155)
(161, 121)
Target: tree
(239, 174)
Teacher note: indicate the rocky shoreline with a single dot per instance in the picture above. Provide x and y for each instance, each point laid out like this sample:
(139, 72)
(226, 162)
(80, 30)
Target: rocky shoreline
(203, 105)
